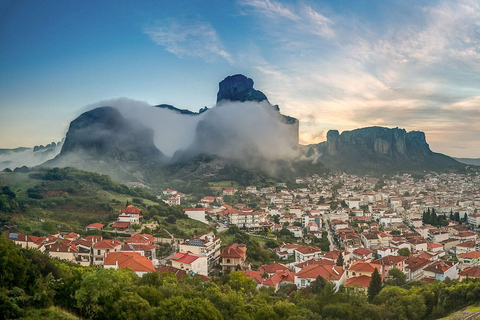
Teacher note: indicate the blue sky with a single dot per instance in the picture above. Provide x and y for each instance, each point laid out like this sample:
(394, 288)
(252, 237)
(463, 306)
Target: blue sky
(332, 64)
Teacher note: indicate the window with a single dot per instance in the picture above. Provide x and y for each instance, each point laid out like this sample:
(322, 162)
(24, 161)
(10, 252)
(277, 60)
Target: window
(228, 261)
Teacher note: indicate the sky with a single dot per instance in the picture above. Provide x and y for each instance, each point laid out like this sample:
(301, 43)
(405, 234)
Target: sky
(332, 64)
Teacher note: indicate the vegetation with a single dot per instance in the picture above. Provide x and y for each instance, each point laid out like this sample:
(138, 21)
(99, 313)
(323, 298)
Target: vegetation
(33, 286)
(431, 217)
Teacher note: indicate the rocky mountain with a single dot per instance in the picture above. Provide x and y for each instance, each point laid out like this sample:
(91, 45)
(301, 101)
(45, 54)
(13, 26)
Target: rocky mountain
(102, 140)
(18, 157)
(379, 150)
(470, 161)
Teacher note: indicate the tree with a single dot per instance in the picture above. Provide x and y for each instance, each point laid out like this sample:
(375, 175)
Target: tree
(136, 226)
(375, 285)
(340, 260)
(405, 252)
(397, 277)
(318, 285)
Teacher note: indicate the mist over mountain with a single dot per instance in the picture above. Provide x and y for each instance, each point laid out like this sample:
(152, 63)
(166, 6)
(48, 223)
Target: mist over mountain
(18, 157)
(243, 135)
(102, 140)
(380, 150)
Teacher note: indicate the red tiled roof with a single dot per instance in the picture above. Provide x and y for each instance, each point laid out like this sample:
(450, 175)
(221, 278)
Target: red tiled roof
(321, 262)
(120, 224)
(362, 252)
(141, 239)
(308, 249)
(107, 244)
(255, 275)
(95, 226)
(272, 268)
(233, 251)
(327, 272)
(361, 281)
(362, 266)
(417, 263)
(186, 257)
(471, 272)
(390, 260)
(279, 276)
(470, 255)
(438, 267)
(132, 260)
(132, 209)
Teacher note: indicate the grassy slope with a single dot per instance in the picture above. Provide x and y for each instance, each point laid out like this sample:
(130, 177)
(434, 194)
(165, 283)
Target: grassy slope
(84, 202)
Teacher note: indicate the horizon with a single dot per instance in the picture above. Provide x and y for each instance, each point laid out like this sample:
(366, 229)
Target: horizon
(332, 65)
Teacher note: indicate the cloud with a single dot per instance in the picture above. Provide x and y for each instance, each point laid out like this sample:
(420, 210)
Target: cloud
(189, 39)
(419, 70)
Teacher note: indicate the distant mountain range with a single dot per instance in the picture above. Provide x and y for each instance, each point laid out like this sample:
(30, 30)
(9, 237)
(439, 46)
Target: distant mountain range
(243, 137)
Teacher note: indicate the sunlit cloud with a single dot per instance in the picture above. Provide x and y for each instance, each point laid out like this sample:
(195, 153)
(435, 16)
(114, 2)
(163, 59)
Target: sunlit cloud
(421, 76)
(189, 39)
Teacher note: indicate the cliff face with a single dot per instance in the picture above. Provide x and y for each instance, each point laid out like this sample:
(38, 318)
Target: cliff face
(102, 140)
(379, 150)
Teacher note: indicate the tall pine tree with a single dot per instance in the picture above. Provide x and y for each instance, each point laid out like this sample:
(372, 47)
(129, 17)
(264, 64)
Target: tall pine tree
(339, 260)
(375, 285)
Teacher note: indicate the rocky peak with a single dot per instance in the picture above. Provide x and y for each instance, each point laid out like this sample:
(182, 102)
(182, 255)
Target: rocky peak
(239, 88)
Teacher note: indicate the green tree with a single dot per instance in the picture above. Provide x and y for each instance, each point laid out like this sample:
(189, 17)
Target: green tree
(405, 252)
(340, 260)
(375, 285)
(396, 277)
(318, 285)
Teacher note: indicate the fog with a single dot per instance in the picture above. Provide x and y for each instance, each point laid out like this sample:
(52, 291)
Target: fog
(18, 158)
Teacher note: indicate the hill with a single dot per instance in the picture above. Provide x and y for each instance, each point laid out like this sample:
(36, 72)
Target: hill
(42, 201)
(380, 150)
(475, 162)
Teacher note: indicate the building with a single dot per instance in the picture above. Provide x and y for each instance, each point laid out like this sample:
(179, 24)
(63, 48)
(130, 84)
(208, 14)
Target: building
(310, 273)
(198, 214)
(441, 270)
(304, 253)
(130, 214)
(207, 245)
(190, 262)
(233, 256)
(104, 247)
(132, 260)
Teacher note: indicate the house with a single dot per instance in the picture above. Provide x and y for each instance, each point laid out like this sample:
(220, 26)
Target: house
(469, 257)
(132, 260)
(473, 220)
(190, 262)
(121, 225)
(296, 231)
(370, 240)
(469, 272)
(359, 268)
(104, 247)
(207, 245)
(233, 256)
(304, 253)
(141, 238)
(441, 270)
(198, 214)
(286, 250)
(389, 262)
(130, 214)
(464, 247)
(310, 273)
(62, 250)
(278, 278)
(271, 269)
(26, 241)
(84, 251)
(94, 226)
(362, 254)
(414, 267)
(359, 284)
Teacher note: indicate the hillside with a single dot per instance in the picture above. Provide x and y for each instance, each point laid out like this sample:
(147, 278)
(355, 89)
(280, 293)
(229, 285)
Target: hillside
(42, 201)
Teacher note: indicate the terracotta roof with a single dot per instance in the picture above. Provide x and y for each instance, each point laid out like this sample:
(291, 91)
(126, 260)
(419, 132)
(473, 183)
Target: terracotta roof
(362, 266)
(279, 276)
(131, 209)
(141, 239)
(234, 251)
(61, 247)
(107, 244)
(308, 249)
(438, 267)
(327, 272)
(361, 281)
(132, 260)
(186, 257)
(362, 252)
(471, 272)
(467, 244)
(417, 263)
(122, 224)
(321, 262)
(390, 260)
(95, 226)
(179, 273)
(470, 255)
(434, 245)
(272, 268)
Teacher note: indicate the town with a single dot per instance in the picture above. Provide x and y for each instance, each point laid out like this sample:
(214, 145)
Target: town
(342, 228)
